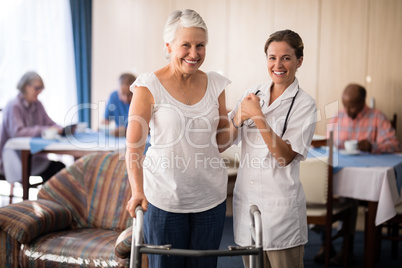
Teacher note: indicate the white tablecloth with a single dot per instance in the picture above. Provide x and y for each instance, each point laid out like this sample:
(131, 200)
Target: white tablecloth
(370, 184)
(91, 142)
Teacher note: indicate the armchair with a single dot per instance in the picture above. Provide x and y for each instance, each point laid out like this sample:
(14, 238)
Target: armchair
(79, 219)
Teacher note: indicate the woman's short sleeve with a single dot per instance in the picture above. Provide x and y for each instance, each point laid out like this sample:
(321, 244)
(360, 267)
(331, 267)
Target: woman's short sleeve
(218, 83)
(149, 81)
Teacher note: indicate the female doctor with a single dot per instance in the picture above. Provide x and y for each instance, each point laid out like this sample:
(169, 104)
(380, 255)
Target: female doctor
(275, 122)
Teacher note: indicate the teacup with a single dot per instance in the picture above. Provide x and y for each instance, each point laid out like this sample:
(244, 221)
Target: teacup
(81, 127)
(107, 129)
(49, 134)
(351, 145)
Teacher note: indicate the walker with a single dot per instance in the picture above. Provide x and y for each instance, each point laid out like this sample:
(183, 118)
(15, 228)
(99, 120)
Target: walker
(255, 250)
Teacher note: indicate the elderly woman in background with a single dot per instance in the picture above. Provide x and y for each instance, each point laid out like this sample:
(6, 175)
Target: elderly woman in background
(179, 177)
(25, 116)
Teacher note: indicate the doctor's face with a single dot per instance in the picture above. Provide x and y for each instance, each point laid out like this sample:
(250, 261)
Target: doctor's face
(282, 63)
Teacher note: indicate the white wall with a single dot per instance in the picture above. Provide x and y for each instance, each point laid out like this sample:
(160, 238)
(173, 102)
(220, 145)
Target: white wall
(340, 37)
(127, 36)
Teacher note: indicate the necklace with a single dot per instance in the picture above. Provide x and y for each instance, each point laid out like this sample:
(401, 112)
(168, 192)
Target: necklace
(182, 92)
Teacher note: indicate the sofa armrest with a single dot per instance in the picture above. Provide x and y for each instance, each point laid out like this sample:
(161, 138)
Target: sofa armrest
(123, 244)
(9, 251)
(27, 220)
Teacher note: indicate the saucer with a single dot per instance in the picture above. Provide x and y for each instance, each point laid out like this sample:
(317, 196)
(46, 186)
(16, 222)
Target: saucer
(355, 152)
(56, 137)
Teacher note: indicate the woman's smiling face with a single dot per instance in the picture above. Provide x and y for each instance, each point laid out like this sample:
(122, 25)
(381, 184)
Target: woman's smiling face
(282, 63)
(188, 50)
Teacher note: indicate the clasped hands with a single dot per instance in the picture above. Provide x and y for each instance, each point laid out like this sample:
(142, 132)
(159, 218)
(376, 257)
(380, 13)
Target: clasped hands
(249, 109)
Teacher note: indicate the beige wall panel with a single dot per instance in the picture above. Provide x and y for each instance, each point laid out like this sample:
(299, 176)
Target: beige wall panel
(302, 17)
(214, 13)
(105, 50)
(250, 24)
(343, 51)
(149, 21)
(384, 57)
(345, 41)
(127, 36)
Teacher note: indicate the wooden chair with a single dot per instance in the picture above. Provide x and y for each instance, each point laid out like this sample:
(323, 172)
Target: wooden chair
(2, 178)
(393, 121)
(323, 209)
(393, 227)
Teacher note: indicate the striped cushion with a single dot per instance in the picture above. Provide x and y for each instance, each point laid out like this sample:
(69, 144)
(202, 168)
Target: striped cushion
(73, 248)
(9, 251)
(123, 244)
(26, 220)
(95, 189)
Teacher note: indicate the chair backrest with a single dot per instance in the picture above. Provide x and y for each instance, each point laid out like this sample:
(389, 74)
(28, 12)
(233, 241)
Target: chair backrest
(95, 189)
(393, 121)
(316, 177)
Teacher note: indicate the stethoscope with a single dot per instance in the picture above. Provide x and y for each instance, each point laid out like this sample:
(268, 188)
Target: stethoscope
(285, 126)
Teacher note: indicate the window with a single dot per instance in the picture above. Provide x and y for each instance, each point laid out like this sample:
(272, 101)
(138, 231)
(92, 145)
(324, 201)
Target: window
(37, 35)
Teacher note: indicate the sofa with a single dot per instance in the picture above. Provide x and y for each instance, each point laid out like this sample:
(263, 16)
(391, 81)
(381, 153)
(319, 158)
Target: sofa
(78, 220)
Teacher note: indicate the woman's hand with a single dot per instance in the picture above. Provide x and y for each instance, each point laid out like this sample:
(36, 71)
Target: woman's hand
(137, 199)
(250, 108)
(57, 128)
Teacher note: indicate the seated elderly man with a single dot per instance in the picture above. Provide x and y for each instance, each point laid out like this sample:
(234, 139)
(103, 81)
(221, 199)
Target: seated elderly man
(118, 105)
(374, 134)
(369, 126)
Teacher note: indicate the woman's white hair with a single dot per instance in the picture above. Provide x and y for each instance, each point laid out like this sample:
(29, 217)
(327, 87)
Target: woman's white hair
(179, 19)
(27, 78)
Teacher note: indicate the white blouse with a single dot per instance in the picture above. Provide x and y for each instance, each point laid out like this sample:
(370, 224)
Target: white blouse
(261, 180)
(183, 170)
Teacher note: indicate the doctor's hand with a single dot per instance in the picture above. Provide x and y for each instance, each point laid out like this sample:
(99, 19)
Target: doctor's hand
(250, 108)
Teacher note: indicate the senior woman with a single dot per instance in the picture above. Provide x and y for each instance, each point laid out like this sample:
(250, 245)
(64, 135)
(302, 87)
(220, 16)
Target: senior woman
(25, 116)
(179, 182)
(275, 122)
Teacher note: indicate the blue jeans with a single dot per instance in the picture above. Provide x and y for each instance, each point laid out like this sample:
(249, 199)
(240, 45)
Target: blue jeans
(201, 231)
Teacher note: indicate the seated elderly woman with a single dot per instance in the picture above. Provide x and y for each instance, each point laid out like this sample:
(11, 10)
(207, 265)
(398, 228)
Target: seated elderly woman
(25, 116)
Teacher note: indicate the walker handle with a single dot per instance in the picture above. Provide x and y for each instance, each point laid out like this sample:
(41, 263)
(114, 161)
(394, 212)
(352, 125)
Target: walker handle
(254, 209)
(139, 208)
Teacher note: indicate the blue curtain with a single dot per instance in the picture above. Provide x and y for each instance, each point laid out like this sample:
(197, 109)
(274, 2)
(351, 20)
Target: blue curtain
(81, 14)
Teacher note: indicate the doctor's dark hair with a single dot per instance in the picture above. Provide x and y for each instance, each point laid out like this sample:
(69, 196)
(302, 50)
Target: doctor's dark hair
(293, 39)
(27, 78)
(179, 19)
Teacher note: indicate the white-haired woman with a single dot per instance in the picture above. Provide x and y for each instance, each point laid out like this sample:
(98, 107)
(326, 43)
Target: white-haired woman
(181, 182)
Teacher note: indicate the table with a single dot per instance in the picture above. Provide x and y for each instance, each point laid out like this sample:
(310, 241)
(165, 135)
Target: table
(376, 179)
(77, 146)
(319, 141)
